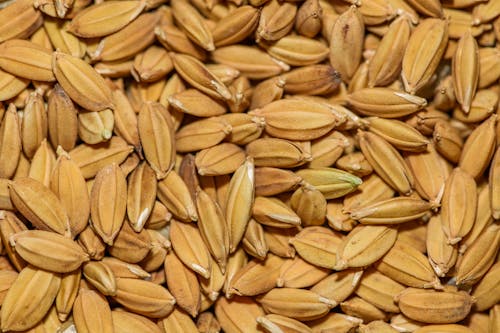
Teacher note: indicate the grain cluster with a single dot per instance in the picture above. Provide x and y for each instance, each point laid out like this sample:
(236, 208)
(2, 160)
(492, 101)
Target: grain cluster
(249, 166)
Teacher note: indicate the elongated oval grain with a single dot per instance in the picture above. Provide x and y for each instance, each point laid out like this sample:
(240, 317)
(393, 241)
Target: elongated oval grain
(27, 60)
(108, 202)
(419, 62)
(92, 158)
(298, 273)
(278, 153)
(221, 159)
(62, 119)
(275, 213)
(238, 314)
(105, 18)
(63, 40)
(144, 297)
(101, 277)
(332, 183)
(70, 284)
(385, 66)
(235, 27)
(125, 118)
(10, 142)
(297, 50)
(364, 245)
(141, 195)
(81, 82)
(132, 39)
(407, 265)
(379, 289)
(199, 76)
(183, 285)
(127, 322)
(295, 119)
(478, 258)
(273, 322)
(479, 148)
(465, 70)
(157, 137)
(92, 312)
(29, 299)
(34, 125)
(399, 134)
(42, 164)
(39, 205)
(434, 307)
(213, 227)
(295, 303)
(387, 162)
(190, 20)
(385, 102)
(442, 256)
(317, 245)
(276, 20)
(430, 172)
(48, 250)
(239, 202)
(190, 248)
(459, 205)
(174, 194)
(19, 20)
(310, 204)
(312, 80)
(251, 62)
(347, 42)
(338, 285)
(391, 211)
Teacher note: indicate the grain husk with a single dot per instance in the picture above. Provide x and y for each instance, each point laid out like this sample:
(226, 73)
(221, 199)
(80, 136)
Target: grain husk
(442, 255)
(385, 102)
(81, 82)
(256, 277)
(459, 205)
(105, 18)
(127, 322)
(364, 245)
(190, 248)
(183, 285)
(298, 273)
(251, 62)
(10, 141)
(92, 312)
(317, 245)
(101, 277)
(125, 43)
(157, 138)
(418, 66)
(144, 297)
(174, 194)
(298, 304)
(130, 246)
(387, 162)
(39, 205)
(347, 42)
(408, 266)
(29, 299)
(434, 307)
(238, 314)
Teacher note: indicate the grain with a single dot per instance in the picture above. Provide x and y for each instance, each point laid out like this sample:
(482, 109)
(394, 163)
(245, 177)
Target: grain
(245, 166)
